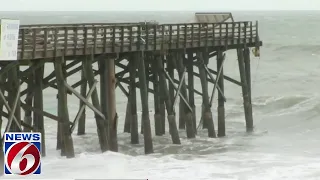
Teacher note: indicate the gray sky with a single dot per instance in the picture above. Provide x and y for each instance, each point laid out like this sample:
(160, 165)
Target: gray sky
(152, 5)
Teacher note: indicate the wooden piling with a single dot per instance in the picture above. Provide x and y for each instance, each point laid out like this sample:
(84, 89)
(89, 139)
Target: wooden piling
(220, 108)
(185, 114)
(134, 129)
(101, 124)
(38, 120)
(245, 92)
(169, 106)
(103, 101)
(205, 56)
(1, 158)
(83, 91)
(60, 137)
(170, 65)
(207, 114)
(111, 104)
(162, 109)
(148, 145)
(63, 110)
(14, 84)
(127, 120)
(2, 81)
(147, 57)
(182, 108)
(247, 65)
(29, 101)
(157, 114)
(191, 89)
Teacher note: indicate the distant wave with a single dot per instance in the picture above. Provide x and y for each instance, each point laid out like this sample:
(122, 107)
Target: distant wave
(299, 47)
(285, 104)
(283, 101)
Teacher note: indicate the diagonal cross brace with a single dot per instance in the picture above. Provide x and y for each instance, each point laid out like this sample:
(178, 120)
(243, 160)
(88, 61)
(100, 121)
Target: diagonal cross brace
(179, 87)
(11, 115)
(5, 69)
(174, 86)
(9, 109)
(216, 82)
(84, 100)
(83, 106)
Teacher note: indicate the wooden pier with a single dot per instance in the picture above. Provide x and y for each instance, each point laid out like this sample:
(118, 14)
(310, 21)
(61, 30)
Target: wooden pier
(153, 52)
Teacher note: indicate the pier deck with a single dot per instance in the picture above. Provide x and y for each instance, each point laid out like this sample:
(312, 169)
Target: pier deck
(47, 41)
(153, 52)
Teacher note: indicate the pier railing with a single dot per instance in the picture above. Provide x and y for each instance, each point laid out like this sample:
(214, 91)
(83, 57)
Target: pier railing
(47, 41)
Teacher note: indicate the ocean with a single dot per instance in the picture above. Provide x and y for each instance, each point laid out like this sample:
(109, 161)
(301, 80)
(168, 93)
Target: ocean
(286, 110)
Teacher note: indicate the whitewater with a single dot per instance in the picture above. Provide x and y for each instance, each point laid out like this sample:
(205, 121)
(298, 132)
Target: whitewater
(286, 107)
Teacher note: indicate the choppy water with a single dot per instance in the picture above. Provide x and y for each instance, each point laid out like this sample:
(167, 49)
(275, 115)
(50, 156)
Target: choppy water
(286, 104)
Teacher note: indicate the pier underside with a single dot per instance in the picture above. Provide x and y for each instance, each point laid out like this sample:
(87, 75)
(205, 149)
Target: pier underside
(169, 77)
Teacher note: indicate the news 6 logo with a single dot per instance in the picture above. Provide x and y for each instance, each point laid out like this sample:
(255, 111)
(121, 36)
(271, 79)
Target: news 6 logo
(22, 153)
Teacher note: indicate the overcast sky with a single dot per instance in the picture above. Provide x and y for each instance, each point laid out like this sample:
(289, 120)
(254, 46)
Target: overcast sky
(152, 5)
